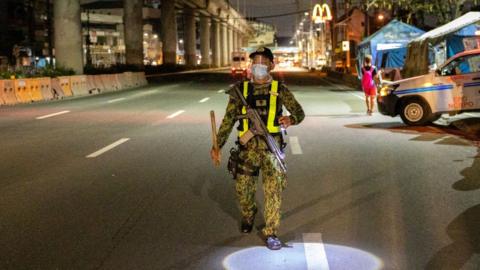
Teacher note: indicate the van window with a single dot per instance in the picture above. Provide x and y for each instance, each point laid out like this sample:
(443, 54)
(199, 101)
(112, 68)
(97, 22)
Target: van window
(463, 65)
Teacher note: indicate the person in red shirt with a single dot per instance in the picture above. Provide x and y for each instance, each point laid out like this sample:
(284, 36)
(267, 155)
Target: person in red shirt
(369, 76)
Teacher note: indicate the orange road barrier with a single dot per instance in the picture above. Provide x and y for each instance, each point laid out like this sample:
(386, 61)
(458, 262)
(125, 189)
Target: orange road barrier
(2, 98)
(46, 87)
(130, 79)
(66, 85)
(35, 90)
(141, 78)
(123, 81)
(79, 85)
(7, 87)
(22, 90)
(97, 80)
(61, 87)
(109, 82)
(92, 86)
(116, 78)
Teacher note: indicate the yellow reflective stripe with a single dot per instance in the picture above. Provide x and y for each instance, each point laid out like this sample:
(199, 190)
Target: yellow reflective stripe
(244, 110)
(272, 113)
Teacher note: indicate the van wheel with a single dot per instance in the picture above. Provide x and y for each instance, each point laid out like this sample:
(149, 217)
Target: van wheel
(415, 112)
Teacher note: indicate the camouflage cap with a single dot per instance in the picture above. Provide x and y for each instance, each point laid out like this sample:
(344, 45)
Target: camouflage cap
(262, 51)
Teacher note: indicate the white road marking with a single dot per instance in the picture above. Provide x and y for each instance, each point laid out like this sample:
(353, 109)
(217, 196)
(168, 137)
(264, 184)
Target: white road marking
(204, 100)
(315, 254)
(295, 146)
(221, 91)
(52, 115)
(175, 114)
(146, 93)
(108, 148)
(335, 85)
(358, 96)
(115, 100)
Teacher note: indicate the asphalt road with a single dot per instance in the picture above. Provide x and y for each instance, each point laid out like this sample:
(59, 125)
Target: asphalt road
(363, 192)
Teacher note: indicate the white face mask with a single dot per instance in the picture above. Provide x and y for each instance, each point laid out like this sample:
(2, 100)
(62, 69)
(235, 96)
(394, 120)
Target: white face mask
(259, 71)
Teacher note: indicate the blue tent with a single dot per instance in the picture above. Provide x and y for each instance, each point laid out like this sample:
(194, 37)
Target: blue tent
(391, 41)
(391, 58)
(455, 42)
(439, 44)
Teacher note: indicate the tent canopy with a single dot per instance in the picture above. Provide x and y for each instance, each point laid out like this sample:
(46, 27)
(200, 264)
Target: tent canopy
(392, 37)
(446, 41)
(461, 26)
(392, 58)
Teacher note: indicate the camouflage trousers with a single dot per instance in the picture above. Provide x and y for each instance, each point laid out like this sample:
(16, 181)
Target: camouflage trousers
(274, 182)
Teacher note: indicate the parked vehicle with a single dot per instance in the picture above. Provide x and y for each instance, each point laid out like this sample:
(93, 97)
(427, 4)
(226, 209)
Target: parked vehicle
(453, 88)
(239, 62)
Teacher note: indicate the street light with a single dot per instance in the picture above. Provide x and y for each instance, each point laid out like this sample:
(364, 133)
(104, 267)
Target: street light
(320, 15)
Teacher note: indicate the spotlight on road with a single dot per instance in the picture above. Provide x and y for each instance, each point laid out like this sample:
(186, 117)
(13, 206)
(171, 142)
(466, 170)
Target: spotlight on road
(294, 257)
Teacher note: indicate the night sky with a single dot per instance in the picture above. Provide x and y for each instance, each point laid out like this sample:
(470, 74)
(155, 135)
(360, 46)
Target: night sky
(286, 24)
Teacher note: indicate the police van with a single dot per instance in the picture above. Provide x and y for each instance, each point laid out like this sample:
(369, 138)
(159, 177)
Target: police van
(453, 88)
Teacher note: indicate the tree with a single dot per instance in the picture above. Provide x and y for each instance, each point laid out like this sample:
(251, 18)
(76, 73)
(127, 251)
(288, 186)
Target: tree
(403, 10)
(406, 10)
(450, 9)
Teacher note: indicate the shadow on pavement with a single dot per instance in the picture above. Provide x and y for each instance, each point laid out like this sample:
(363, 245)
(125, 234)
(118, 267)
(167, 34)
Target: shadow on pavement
(318, 220)
(471, 180)
(464, 231)
(316, 201)
(433, 132)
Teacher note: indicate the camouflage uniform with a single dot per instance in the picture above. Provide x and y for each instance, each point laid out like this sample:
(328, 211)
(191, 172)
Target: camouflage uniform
(255, 157)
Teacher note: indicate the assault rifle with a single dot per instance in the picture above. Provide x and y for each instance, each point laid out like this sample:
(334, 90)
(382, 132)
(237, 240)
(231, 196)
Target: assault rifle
(258, 128)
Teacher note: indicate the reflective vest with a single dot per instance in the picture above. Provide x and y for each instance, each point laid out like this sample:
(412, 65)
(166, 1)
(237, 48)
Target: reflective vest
(268, 106)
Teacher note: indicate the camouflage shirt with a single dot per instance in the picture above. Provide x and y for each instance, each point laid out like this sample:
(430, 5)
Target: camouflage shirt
(234, 108)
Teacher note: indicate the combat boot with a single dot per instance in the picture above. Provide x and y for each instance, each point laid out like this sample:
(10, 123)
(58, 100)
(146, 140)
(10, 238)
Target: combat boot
(273, 243)
(247, 224)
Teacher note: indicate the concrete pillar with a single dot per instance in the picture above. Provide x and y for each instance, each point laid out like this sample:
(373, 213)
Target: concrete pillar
(68, 35)
(224, 44)
(133, 20)
(240, 40)
(245, 41)
(230, 44)
(216, 54)
(235, 40)
(169, 32)
(205, 40)
(190, 40)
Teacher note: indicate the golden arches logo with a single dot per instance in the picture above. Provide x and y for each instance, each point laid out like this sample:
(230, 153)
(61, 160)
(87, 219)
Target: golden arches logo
(321, 13)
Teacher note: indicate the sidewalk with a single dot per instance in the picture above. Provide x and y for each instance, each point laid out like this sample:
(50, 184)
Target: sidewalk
(343, 78)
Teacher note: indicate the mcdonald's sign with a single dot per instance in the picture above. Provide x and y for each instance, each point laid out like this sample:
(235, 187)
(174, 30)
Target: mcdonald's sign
(321, 13)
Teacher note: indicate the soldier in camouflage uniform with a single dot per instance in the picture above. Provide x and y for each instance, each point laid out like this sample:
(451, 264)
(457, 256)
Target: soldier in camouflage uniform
(268, 97)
